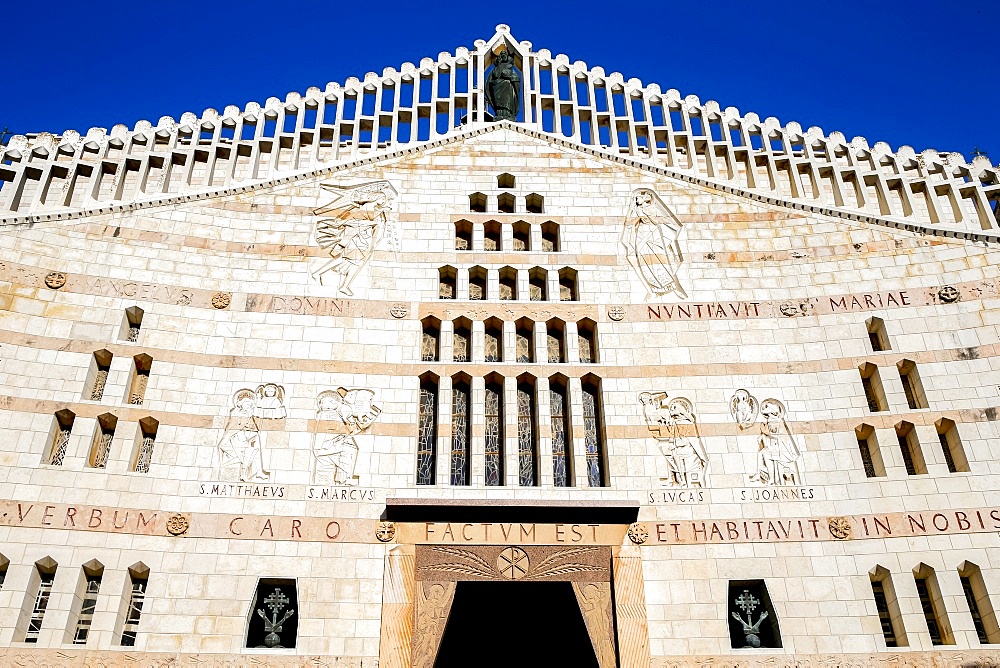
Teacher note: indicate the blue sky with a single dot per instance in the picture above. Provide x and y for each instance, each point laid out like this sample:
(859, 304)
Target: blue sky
(921, 73)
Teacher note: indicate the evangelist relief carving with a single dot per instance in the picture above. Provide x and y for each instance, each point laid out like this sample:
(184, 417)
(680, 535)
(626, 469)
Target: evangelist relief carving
(355, 223)
(649, 241)
(241, 450)
(335, 453)
(674, 425)
(778, 453)
(433, 605)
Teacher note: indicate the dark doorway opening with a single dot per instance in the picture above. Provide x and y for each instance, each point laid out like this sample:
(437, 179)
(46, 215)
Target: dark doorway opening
(526, 624)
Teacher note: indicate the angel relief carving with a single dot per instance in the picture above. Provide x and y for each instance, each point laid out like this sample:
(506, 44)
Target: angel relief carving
(352, 226)
(649, 240)
(674, 425)
(335, 453)
(241, 449)
(778, 453)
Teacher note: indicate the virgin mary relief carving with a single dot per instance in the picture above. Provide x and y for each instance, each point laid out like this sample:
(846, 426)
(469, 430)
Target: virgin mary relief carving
(352, 226)
(649, 241)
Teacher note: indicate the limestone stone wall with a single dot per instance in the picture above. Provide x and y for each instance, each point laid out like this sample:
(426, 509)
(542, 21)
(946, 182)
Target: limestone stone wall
(776, 302)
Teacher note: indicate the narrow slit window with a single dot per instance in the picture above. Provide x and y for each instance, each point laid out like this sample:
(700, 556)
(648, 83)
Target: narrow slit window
(492, 238)
(984, 618)
(567, 285)
(538, 290)
(524, 341)
(932, 606)
(562, 457)
(877, 335)
(100, 447)
(141, 367)
(427, 430)
(460, 430)
(146, 440)
(555, 342)
(477, 284)
(97, 380)
(446, 283)
(912, 387)
(550, 237)
(586, 338)
(463, 235)
(951, 446)
(872, 385)
(909, 448)
(494, 431)
(461, 341)
(527, 433)
(508, 283)
(522, 236)
(868, 448)
(493, 340)
(593, 431)
(887, 607)
(430, 340)
(59, 441)
(93, 573)
(39, 591)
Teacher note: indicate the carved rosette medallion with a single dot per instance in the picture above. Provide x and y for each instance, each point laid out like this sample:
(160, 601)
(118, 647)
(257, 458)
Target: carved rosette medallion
(399, 311)
(947, 294)
(840, 528)
(177, 524)
(55, 280)
(616, 313)
(512, 563)
(221, 300)
(385, 532)
(638, 533)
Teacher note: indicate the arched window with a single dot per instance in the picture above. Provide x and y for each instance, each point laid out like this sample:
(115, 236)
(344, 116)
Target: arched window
(477, 202)
(951, 446)
(463, 235)
(461, 392)
(538, 289)
(567, 285)
(461, 340)
(477, 284)
(508, 283)
(100, 446)
(586, 340)
(505, 203)
(427, 429)
(522, 236)
(494, 430)
(555, 341)
(932, 605)
(871, 383)
(593, 431)
(430, 341)
(145, 440)
(562, 452)
(912, 387)
(550, 237)
(97, 378)
(492, 239)
(534, 203)
(446, 283)
(142, 364)
(877, 335)
(493, 340)
(524, 340)
(62, 428)
(909, 448)
(527, 432)
(889, 615)
(871, 455)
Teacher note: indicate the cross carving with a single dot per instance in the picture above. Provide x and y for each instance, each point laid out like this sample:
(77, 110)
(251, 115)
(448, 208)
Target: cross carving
(747, 602)
(276, 600)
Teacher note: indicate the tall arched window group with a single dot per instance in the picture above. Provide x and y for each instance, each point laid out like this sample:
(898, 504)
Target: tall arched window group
(522, 341)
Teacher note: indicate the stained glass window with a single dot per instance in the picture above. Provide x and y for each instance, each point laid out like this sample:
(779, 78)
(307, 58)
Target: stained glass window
(494, 434)
(526, 435)
(592, 434)
(522, 237)
(567, 285)
(429, 341)
(463, 235)
(537, 290)
(554, 344)
(459, 432)
(586, 341)
(427, 432)
(508, 285)
(561, 464)
(550, 238)
(462, 342)
(446, 283)
(493, 343)
(477, 283)
(524, 343)
(491, 236)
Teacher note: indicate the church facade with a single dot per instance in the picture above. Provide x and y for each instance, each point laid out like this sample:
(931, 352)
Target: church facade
(368, 377)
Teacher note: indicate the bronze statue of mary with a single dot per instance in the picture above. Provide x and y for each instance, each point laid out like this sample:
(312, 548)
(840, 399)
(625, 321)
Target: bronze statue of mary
(503, 88)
